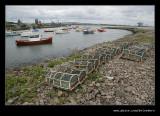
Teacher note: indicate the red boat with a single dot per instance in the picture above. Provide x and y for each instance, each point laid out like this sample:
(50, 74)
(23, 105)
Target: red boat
(101, 30)
(48, 31)
(34, 41)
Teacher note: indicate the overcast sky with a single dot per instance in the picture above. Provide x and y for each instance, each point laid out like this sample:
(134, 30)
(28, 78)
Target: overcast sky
(128, 15)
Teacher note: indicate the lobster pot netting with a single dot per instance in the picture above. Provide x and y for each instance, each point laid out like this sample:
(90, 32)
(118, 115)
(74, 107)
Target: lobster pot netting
(108, 51)
(83, 65)
(65, 81)
(103, 57)
(135, 53)
(91, 59)
(79, 72)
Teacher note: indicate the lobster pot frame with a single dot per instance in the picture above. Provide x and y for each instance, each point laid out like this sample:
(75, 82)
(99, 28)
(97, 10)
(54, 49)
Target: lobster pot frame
(99, 56)
(91, 58)
(134, 53)
(65, 81)
(108, 51)
(83, 65)
(80, 73)
(116, 49)
(105, 57)
(93, 61)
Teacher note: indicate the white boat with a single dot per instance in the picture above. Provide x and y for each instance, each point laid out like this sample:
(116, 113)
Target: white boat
(29, 33)
(61, 31)
(12, 33)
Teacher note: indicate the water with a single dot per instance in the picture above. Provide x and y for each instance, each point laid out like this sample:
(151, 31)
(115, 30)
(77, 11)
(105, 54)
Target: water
(63, 45)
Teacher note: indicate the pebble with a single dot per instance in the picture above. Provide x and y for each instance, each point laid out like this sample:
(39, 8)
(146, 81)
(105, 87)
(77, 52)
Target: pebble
(60, 93)
(109, 78)
(97, 84)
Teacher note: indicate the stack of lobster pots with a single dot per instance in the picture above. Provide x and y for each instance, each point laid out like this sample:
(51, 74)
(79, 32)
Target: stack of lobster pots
(70, 76)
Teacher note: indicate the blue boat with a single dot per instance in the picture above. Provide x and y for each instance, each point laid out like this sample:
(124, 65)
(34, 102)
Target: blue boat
(35, 30)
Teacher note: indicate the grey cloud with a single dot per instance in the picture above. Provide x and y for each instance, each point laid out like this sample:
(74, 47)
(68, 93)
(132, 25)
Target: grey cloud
(98, 14)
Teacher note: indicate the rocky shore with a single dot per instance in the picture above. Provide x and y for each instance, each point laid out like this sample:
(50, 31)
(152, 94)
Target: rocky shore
(118, 82)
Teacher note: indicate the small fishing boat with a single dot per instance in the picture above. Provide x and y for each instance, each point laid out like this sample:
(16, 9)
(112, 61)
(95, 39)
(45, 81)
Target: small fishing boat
(61, 32)
(35, 30)
(34, 41)
(12, 33)
(65, 29)
(49, 30)
(87, 31)
(101, 30)
(29, 33)
(78, 30)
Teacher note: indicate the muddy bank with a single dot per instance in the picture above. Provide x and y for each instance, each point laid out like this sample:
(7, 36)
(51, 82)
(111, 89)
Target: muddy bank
(118, 82)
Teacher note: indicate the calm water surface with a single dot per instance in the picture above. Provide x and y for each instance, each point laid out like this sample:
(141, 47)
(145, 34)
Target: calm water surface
(63, 45)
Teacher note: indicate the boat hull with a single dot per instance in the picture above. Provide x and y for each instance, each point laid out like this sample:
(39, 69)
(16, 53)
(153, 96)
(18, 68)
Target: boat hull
(48, 31)
(101, 30)
(27, 42)
(88, 32)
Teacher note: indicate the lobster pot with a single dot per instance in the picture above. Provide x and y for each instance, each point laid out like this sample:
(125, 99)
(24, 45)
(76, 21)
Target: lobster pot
(134, 53)
(99, 56)
(104, 56)
(81, 73)
(90, 58)
(64, 81)
(94, 62)
(83, 65)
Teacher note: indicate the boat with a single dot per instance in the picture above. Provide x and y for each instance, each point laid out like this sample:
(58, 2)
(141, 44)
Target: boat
(29, 33)
(34, 41)
(12, 33)
(101, 30)
(49, 30)
(87, 31)
(78, 30)
(66, 29)
(35, 30)
(61, 32)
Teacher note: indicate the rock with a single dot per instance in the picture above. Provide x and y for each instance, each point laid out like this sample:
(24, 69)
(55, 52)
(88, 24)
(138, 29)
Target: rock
(82, 100)
(92, 103)
(10, 101)
(108, 97)
(130, 89)
(72, 101)
(26, 103)
(92, 84)
(60, 93)
(97, 84)
(103, 93)
(41, 102)
(139, 101)
(100, 79)
(55, 100)
(118, 103)
(109, 78)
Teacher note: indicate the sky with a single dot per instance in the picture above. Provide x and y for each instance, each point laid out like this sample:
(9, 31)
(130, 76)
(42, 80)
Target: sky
(125, 15)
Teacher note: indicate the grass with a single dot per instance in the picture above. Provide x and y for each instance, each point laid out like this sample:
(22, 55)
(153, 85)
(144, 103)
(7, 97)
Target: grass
(94, 76)
(53, 63)
(142, 38)
(23, 86)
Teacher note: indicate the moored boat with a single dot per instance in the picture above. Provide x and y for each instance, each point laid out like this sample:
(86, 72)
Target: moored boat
(61, 31)
(49, 30)
(101, 30)
(12, 33)
(87, 31)
(29, 33)
(34, 41)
